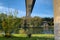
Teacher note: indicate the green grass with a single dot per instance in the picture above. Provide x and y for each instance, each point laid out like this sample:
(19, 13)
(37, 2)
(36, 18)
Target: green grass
(34, 37)
(26, 38)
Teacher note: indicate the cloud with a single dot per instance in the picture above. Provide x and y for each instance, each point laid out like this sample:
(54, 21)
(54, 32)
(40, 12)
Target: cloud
(47, 13)
(41, 15)
(3, 9)
(7, 10)
(23, 13)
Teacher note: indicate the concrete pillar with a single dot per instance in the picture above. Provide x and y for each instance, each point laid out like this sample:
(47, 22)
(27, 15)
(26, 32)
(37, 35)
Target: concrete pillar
(29, 8)
(57, 19)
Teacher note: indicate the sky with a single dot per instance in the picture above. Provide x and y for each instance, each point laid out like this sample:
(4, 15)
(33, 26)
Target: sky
(42, 8)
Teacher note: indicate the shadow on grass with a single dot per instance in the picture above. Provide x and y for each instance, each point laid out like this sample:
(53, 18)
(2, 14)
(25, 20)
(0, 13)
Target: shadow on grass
(26, 38)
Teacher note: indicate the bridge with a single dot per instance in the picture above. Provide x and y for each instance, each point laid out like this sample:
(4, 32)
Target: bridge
(29, 8)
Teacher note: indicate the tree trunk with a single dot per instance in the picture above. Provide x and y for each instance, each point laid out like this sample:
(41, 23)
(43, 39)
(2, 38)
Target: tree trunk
(7, 34)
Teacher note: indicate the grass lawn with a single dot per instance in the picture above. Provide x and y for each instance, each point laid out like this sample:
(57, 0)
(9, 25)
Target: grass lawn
(34, 37)
(25, 38)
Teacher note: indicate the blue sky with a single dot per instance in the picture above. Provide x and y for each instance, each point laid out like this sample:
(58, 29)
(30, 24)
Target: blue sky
(42, 8)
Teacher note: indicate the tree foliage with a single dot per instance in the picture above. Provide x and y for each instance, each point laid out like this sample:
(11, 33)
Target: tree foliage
(10, 23)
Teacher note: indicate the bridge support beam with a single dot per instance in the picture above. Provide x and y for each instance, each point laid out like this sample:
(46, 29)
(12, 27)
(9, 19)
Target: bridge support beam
(29, 8)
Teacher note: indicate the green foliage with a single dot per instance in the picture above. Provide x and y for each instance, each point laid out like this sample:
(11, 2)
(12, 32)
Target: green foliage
(12, 23)
(36, 21)
(9, 23)
(49, 20)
